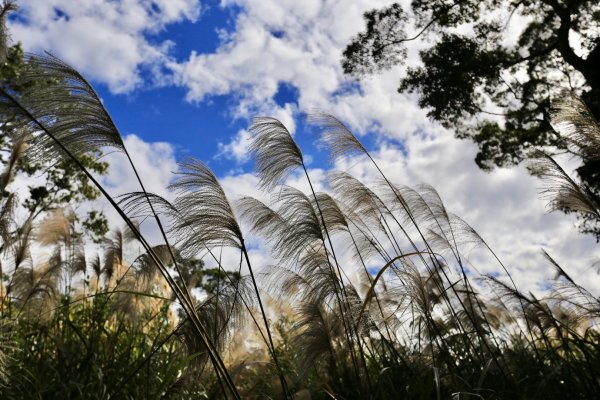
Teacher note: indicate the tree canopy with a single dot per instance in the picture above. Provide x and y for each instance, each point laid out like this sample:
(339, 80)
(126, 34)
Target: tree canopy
(63, 183)
(476, 78)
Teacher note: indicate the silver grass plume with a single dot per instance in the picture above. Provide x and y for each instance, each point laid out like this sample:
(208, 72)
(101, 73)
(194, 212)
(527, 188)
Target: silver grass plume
(276, 156)
(317, 333)
(135, 288)
(96, 265)
(356, 196)
(336, 136)
(404, 201)
(208, 220)
(36, 288)
(262, 218)
(137, 205)
(292, 229)
(275, 153)
(366, 234)
(560, 272)
(443, 234)
(342, 142)
(582, 132)
(21, 246)
(59, 108)
(221, 312)
(336, 220)
(571, 116)
(19, 146)
(507, 293)
(536, 313)
(297, 208)
(560, 190)
(296, 239)
(146, 267)
(113, 255)
(436, 212)
(572, 294)
(58, 227)
(303, 260)
(426, 210)
(293, 286)
(334, 217)
(78, 262)
(207, 217)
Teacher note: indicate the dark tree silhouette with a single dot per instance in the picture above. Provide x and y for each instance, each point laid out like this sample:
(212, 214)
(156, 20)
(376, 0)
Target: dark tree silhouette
(495, 92)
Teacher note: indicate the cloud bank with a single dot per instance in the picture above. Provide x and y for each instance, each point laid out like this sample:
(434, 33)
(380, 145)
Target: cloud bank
(299, 44)
(113, 42)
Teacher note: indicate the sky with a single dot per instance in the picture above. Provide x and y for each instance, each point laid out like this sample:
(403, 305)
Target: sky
(185, 77)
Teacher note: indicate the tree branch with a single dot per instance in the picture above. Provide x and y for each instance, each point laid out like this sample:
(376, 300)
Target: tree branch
(562, 45)
(435, 17)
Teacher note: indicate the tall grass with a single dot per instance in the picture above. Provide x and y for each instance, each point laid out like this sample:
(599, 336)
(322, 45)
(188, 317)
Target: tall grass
(380, 299)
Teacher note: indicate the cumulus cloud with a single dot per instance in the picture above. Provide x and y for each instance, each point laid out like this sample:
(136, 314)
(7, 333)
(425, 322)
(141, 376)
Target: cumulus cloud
(109, 41)
(502, 206)
(300, 44)
(154, 161)
(277, 41)
(237, 148)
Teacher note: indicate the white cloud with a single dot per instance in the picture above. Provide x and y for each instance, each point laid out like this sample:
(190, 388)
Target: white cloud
(300, 44)
(237, 148)
(109, 41)
(277, 41)
(155, 163)
(503, 207)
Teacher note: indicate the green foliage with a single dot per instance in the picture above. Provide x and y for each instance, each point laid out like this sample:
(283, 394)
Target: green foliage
(196, 276)
(66, 185)
(96, 225)
(471, 81)
(109, 335)
(87, 352)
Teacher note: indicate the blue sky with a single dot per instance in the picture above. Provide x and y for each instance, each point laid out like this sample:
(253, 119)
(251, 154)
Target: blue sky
(162, 113)
(158, 112)
(185, 77)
